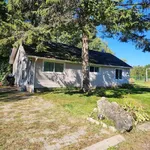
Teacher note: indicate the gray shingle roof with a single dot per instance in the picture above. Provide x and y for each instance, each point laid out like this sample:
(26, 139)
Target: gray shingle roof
(72, 53)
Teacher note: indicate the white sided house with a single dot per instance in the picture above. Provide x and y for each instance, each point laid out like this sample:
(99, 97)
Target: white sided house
(60, 66)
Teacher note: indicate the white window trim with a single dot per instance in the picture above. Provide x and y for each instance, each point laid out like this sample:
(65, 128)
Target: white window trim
(54, 67)
(115, 74)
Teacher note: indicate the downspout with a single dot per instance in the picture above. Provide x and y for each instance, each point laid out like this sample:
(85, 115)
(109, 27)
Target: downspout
(34, 73)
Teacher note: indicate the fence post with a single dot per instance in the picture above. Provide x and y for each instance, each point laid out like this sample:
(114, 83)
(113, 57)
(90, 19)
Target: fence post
(147, 74)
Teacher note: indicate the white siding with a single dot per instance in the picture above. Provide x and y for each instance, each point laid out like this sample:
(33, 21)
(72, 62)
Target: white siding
(106, 77)
(23, 69)
(72, 76)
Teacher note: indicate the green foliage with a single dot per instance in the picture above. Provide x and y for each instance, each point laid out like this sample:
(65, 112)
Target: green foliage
(139, 72)
(74, 38)
(138, 112)
(79, 103)
(118, 18)
(124, 19)
(4, 67)
(51, 1)
(128, 86)
(112, 148)
(98, 45)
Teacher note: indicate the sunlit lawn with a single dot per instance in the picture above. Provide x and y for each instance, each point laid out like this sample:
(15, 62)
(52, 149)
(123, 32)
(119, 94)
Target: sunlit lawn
(51, 115)
(82, 104)
(79, 104)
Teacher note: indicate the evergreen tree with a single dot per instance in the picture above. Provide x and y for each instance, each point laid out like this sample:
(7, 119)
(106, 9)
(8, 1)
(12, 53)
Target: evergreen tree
(125, 20)
(95, 43)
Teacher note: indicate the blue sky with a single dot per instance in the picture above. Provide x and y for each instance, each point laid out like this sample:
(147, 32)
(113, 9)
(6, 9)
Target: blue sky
(128, 52)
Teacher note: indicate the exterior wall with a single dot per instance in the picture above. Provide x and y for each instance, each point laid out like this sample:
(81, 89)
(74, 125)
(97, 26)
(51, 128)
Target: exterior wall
(72, 76)
(17, 66)
(23, 69)
(106, 77)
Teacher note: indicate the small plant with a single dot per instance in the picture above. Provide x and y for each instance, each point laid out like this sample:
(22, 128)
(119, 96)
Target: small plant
(138, 113)
(100, 91)
(127, 86)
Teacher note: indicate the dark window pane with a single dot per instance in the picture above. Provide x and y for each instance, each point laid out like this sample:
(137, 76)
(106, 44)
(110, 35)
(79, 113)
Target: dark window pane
(117, 73)
(48, 66)
(91, 69)
(120, 74)
(96, 69)
(59, 67)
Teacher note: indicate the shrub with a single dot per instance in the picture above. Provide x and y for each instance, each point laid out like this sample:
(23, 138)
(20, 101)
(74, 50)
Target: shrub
(127, 86)
(138, 113)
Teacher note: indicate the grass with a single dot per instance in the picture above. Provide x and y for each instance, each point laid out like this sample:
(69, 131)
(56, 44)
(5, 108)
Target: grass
(79, 104)
(54, 114)
(32, 122)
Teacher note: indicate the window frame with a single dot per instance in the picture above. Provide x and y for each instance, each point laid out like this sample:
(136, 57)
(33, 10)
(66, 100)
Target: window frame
(53, 68)
(119, 70)
(94, 69)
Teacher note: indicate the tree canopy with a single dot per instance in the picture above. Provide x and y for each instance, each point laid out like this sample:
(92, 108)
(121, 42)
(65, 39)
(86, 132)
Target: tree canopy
(125, 20)
(95, 43)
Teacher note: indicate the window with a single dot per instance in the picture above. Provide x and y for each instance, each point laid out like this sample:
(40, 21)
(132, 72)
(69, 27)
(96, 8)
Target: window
(91, 69)
(59, 67)
(94, 69)
(53, 67)
(48, 66)
(118, 74)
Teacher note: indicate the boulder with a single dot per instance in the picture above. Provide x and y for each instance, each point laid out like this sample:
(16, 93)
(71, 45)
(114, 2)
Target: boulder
(122, 119)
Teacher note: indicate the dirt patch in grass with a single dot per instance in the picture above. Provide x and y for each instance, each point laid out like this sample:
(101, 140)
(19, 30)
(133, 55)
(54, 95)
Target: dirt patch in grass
(33, 122)
(45, 120)
(136, 141)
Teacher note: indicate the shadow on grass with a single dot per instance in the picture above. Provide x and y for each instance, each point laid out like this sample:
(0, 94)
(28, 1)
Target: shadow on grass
(11, 94)
(110, 92)
(117, 92)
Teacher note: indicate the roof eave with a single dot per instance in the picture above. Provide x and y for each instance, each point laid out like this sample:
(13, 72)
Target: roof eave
(76, 62)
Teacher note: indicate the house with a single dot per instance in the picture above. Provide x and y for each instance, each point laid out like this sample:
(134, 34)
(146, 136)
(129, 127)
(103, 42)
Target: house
(60, 66)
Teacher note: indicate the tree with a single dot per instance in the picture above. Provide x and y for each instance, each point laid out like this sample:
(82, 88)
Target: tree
(98, 45)
(2, 10)
(95, 43)
(33, 21)
(139, 72)
(123, 19)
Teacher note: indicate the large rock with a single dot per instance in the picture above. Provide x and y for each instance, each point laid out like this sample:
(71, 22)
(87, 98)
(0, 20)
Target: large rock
(123, 120)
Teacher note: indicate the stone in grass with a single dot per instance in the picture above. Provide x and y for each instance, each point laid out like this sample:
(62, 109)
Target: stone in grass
(93, 120)
(144, 126)
(123, 120)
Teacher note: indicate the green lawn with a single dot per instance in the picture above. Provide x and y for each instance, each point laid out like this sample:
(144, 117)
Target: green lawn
(82, 104)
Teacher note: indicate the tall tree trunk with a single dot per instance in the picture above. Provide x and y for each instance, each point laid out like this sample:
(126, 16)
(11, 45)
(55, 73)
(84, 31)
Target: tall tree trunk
(85, 63)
